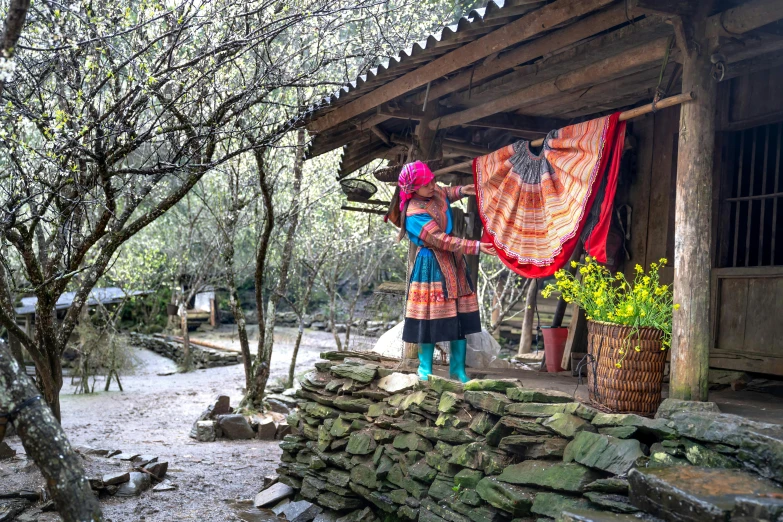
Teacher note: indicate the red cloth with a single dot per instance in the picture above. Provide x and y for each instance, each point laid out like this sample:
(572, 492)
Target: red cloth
(534, 208)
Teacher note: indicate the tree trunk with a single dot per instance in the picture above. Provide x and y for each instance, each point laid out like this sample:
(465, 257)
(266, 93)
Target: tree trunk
(183, 314)
(266, 344)
(526, 339)
(46, 443)
(297, 343)
(332, 308)
(693, 221)
(236, 309)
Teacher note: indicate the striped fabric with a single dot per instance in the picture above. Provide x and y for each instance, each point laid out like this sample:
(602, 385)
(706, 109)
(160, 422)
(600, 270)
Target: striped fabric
(533, 207)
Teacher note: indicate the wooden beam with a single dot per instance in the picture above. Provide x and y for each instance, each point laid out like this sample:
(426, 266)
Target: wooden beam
(522, 29)
(382, 135)
(526, 125)
(363, 210)
(562, 61)
(604, 70)
(691, 336)
(541, 46)
(666, 7)
(744, 18)
(627, 115)
(464, 147)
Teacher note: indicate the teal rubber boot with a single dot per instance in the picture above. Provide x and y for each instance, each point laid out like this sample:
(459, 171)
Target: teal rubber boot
(426, 350)
(457, 360)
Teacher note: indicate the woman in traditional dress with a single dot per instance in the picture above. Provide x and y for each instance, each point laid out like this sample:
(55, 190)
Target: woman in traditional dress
(441, 303)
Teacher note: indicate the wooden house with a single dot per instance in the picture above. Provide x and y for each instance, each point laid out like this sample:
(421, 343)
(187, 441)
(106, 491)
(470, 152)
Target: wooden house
(706, 186)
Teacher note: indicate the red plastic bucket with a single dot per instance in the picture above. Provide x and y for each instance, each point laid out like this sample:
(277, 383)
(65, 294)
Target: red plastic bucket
(554, 346)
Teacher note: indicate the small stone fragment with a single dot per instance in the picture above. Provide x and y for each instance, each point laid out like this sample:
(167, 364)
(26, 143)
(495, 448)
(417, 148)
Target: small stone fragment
(235, 427)
(137, 483)
(113, 479)
(612, 502)
(397, 382)
(273, 494)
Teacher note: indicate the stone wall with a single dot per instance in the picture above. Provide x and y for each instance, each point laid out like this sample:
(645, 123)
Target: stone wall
(201, 357)
(370, 443)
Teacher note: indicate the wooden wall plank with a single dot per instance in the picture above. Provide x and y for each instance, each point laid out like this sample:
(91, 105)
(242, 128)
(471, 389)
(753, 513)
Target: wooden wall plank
(733, 308)
(639, 193)
(762, 326)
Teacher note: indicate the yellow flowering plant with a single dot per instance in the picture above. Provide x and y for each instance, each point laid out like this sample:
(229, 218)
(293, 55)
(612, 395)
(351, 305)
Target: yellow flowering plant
(642, 303)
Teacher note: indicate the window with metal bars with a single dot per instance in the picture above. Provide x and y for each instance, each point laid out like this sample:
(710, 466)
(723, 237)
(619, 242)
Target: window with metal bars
(753, 199)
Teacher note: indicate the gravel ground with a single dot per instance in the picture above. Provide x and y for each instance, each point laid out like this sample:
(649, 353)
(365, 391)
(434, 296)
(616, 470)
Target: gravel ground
(153, 415)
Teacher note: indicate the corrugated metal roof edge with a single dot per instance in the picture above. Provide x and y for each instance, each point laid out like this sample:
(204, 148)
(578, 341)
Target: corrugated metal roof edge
(473, 17)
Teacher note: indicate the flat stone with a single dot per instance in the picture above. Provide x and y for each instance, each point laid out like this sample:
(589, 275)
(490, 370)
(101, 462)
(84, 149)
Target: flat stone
(656, 427)
(567, 425)
(157, 469)
(671, 406)
(483, 422)
(340, 428)
(468, 478)
(591, 515)
(422, 472)
(267, 429)
(491, 402)
(538, 395)
(440, 385)
(619, 432)
(702, 456)
(443, 512)
(337, 477)
(143, 460)
(222, 406)
(616, 456)
(571, 478)
(450, 435)
(478, 455)
(478, 513)
(412, 442)
(113, 479)
(412, 486)
(164, 486)
(360, 373)
(397, 382)
(327, 516)
(301, 511)
(361, 443)
(691, 494)
(364, 476)
(126, 456)
(352, 404)
(319, 411)
(760, 444)
(752, 509)
(534, 447)
(273, 494)
(447, 420)
(448, 402)
(409, 400)
(441, 489)
(539, 409)
(513, 499)
(495, 385)
(523, 426)
(470, 497)
(137, 483)
(235, 427)
(360, 515)
(552, 504)
(612, 502)
(609, 485)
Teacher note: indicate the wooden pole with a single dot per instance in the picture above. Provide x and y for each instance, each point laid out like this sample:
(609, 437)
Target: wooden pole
(627, 115)
(693, 221)
(526, 337)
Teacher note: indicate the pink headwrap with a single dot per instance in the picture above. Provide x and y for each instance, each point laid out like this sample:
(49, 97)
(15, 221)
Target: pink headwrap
(413, 176)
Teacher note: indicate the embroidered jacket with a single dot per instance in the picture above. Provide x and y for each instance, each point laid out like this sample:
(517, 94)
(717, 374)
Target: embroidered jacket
(428, 223)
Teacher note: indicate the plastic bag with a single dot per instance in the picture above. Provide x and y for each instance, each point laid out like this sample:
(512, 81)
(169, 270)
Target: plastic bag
(390, 344)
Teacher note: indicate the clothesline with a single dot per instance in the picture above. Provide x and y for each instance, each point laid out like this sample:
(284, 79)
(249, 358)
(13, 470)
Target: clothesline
(627, 115)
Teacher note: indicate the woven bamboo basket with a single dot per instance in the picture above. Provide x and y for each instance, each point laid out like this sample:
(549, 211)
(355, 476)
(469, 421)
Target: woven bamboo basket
(636, 386)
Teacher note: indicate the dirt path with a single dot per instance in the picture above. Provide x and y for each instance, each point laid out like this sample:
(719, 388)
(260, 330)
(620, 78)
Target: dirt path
(154, 416)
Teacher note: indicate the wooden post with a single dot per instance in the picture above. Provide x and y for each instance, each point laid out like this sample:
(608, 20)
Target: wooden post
(693, 218)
